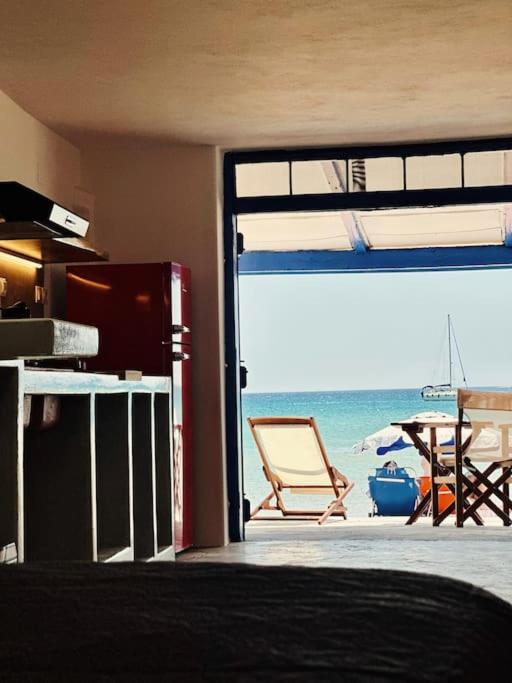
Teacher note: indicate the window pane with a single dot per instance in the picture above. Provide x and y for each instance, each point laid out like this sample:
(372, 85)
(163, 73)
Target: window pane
(319, 177)
(487, 168)
(425, 173)
(374, 175)
(255, 180)
(357, 175)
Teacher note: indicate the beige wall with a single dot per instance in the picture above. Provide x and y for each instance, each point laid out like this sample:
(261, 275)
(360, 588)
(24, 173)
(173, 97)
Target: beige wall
(157, 203)
(152, 203)
(35, 156)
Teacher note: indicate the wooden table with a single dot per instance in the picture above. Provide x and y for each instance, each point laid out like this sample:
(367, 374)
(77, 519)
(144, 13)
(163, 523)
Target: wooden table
(413, 429)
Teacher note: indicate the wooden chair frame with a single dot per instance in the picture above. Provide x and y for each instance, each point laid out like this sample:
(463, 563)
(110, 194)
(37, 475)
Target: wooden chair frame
(441, 473)
(478, 488)
(444, 474)
(340, 484)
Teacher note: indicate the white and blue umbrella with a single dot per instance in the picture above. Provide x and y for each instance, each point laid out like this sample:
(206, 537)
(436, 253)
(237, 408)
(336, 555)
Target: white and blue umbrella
(393, 438)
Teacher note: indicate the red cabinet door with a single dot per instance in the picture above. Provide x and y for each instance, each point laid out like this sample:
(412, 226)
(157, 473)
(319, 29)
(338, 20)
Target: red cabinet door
(126, 303)
(143, 314)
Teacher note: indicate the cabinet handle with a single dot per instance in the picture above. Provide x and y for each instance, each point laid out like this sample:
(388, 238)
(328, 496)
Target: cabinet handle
(180, 356)
(180, 329)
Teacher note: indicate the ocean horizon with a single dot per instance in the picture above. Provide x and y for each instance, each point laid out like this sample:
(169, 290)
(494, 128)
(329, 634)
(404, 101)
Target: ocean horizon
(498, 387)
(344, 417)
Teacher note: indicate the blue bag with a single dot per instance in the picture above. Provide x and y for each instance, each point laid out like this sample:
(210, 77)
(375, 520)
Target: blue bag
(393, 490)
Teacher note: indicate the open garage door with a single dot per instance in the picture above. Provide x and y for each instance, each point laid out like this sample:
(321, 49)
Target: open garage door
(438, 206)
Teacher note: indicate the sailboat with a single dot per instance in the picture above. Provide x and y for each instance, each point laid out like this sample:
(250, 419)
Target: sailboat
(445, 392)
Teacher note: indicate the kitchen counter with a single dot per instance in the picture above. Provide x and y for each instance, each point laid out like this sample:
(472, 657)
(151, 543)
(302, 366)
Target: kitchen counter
(62, 382)
(95, 481)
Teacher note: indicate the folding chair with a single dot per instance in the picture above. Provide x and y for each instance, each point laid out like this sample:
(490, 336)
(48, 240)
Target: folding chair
(483, 462)
(294, 458)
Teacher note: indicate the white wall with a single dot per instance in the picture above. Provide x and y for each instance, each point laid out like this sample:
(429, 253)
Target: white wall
(157, 202)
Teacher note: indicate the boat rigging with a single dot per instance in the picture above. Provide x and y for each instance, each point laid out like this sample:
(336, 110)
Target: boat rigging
(446, 391)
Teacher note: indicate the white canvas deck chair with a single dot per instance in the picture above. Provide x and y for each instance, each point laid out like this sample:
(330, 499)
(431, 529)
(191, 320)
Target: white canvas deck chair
(294, 459)
(483, 464)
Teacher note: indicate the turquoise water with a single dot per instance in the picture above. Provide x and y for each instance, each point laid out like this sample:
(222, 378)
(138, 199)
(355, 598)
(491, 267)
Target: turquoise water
(344, 417)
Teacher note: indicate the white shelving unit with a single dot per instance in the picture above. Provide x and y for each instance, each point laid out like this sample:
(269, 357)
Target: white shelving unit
(95, 486)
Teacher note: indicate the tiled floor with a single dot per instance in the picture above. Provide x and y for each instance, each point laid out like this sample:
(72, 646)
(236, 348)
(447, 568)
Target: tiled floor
(480, 555)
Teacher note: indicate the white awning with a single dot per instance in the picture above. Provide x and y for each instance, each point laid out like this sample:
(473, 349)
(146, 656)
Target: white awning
(434, 227)
(294, 231)
(392, 229)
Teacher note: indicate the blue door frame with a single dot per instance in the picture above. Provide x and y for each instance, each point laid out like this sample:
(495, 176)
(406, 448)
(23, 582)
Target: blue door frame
(376, 261)
(458, 258)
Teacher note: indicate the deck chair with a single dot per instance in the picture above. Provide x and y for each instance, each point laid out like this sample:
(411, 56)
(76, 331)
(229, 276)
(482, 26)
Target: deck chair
(294, 459)
(482, 465)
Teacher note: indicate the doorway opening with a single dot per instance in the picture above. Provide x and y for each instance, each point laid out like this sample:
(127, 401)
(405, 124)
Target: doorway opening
(354, 351)
(436, 207)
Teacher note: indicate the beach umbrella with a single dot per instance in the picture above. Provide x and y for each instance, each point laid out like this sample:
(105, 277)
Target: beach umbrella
(395, 439)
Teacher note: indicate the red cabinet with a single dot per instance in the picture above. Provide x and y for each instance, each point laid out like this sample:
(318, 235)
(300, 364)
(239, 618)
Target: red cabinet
(143, 313)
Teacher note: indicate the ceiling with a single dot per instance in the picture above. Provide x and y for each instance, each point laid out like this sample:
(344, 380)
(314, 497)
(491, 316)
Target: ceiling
(247, 73)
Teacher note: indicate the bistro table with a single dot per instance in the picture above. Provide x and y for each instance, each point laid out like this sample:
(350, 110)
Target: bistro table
(440, 473)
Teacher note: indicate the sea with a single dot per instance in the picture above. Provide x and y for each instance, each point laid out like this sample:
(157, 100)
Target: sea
(344, 418)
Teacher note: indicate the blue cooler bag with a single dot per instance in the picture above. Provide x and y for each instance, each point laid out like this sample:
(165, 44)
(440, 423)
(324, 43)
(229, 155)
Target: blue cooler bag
(393, 490)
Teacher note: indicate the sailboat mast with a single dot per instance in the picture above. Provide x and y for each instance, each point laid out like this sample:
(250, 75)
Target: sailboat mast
(450, 348)
(445, 392)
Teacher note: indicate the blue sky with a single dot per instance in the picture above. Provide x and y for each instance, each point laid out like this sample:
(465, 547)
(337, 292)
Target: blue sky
(360, 331)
